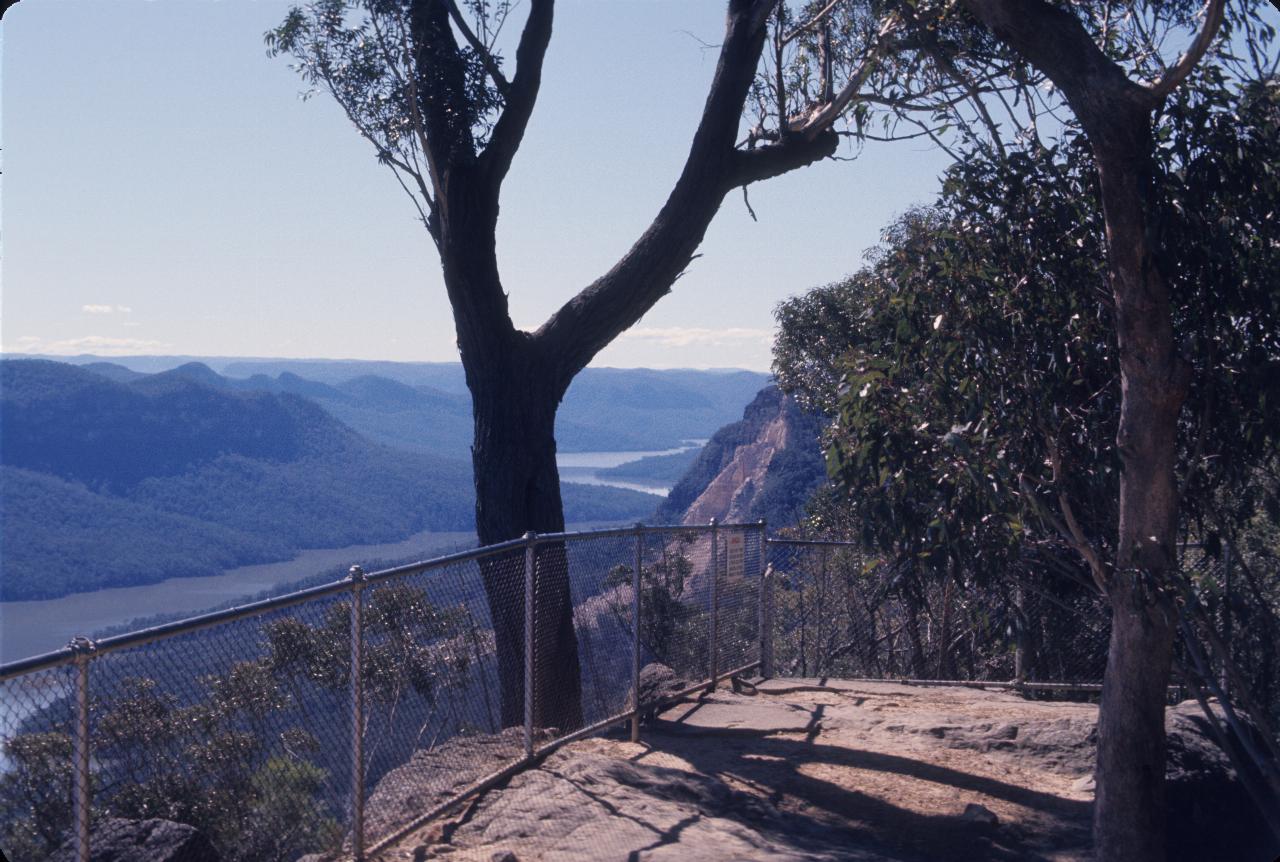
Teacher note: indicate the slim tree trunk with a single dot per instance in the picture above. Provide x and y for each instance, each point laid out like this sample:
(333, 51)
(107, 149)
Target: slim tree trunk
(1129, 812)
(1116, 114)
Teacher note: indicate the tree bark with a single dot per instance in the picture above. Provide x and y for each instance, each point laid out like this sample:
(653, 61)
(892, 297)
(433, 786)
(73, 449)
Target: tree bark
(517, 490)
(1116, 115)
(517, 379)
(1129, 813)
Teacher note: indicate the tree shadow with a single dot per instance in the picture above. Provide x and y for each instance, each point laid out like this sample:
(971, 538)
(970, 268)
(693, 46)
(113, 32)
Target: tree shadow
(770, 761)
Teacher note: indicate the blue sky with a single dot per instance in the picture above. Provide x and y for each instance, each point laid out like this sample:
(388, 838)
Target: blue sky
(166, 191)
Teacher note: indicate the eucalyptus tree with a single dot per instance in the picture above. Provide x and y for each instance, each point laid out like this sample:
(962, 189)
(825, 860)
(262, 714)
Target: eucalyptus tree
(425, 83)
(975, 365)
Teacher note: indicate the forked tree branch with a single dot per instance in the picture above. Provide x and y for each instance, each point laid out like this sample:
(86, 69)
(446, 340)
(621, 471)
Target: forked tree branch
(615, 301)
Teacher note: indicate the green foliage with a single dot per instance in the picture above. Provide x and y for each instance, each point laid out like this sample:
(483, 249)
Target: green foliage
(359, 51)
(971, 366)
(34, 789)
(234, 752)
(671, 623)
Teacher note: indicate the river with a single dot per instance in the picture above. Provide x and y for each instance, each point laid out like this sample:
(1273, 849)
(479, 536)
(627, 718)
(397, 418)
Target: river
(33, 627)
(584, 467)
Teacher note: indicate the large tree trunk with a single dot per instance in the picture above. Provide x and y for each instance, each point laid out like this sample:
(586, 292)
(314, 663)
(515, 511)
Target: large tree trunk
(516, 378)
(518, 490)
(1129, 813)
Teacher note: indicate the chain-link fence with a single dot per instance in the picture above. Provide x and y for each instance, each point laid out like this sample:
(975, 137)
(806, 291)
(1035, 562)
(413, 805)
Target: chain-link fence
(337, 719)
(835, 611)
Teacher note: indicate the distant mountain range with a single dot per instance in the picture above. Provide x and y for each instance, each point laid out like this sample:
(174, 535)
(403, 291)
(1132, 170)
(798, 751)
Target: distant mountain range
(114, 475)
(425, 407)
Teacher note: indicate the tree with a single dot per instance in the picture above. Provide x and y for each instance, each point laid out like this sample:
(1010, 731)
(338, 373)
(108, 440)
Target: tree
(423, 82)
(978, 354)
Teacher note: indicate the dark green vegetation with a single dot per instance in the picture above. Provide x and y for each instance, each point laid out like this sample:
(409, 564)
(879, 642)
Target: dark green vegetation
(184, 472)
(655, 469)
(975, 381)
(971, 368)
(240, 733)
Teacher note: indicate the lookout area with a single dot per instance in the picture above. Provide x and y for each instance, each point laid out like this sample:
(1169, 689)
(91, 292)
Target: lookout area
(827, 769)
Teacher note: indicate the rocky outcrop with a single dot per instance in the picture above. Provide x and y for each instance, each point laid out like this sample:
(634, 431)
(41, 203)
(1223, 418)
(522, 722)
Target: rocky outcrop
(659, 684)
(828, 769)
(435, 775)
(120, 840)
(764, 466)
(583, 806)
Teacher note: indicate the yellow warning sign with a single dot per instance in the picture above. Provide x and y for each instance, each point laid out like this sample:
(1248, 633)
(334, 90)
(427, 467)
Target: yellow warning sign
(735, 550)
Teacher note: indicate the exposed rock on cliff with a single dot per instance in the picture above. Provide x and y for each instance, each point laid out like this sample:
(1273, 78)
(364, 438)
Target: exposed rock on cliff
(155, 840)
(764, 466)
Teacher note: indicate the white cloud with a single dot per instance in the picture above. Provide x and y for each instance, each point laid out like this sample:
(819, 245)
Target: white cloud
(688, 336)
(106, 309)
(99, 344)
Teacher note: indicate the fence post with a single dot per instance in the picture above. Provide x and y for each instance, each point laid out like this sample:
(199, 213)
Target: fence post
(356, 576)
(715, 601)
(766, 605)
(635, 635)
(1229, 658)
(84, 649)
(529, 553)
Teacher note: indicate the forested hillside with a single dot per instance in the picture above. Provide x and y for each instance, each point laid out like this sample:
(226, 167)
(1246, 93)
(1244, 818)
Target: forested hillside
(138, 479)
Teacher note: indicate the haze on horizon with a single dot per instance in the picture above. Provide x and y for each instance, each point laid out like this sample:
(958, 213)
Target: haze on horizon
(168, 193)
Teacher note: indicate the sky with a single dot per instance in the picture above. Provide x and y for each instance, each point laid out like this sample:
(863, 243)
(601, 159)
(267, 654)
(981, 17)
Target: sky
(167, 191)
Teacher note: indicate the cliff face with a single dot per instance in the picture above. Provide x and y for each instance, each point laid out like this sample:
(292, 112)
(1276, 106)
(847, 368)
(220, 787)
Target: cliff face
(764, 466)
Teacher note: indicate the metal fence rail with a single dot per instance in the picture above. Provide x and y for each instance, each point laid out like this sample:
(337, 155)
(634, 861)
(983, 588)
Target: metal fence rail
(339, 718)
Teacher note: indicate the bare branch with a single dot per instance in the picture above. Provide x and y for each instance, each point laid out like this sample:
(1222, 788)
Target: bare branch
(790, 37)
(485, 55)
(1213, 14)
(509, 130)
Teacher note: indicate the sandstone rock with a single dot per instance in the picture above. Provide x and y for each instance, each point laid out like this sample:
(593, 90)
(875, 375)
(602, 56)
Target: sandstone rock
(120, 840)
(587, 807)
(435, 775)
(1209, 812)
(979, 814)
(659, 683)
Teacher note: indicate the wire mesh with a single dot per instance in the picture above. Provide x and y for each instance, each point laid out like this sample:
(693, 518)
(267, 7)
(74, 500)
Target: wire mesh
(739, 562)
(36, 771)
(241, 730)
(243, 724)
(837, 612)
(599, 578)
(675, 602)
(443, 705)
